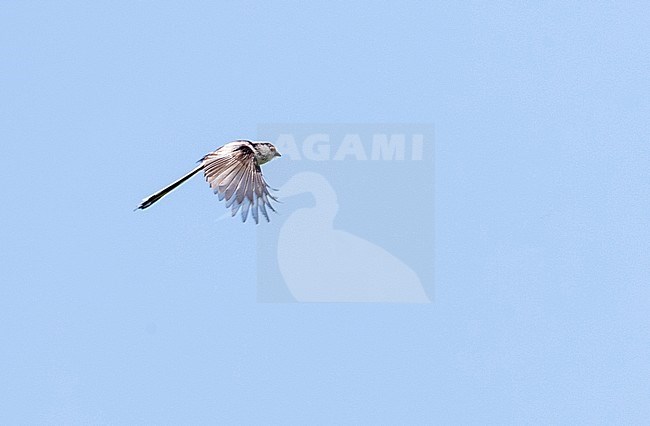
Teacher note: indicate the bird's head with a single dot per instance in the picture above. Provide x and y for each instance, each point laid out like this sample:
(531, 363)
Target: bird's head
(265, 152)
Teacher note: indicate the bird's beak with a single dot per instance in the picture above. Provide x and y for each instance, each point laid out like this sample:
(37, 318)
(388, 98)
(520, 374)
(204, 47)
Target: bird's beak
(277, 154)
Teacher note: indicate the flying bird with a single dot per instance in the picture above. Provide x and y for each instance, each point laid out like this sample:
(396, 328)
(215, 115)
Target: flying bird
(234, 174)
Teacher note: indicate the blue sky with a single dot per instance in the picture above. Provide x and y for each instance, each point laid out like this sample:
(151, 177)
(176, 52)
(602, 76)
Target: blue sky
(540, 306)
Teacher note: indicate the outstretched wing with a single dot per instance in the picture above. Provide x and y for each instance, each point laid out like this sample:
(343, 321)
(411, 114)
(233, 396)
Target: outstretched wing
(234, 175)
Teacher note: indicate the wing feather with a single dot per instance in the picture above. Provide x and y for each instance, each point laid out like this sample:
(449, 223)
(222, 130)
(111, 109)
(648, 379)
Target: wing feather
(234, 174)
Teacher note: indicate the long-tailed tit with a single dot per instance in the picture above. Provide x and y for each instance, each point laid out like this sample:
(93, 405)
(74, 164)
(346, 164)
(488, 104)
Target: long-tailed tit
(234, 174)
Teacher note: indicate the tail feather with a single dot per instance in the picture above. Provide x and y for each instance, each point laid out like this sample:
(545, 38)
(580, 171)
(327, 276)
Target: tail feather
(166, 190)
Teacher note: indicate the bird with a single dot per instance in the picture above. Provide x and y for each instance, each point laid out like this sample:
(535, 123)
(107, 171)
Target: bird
(234, 174)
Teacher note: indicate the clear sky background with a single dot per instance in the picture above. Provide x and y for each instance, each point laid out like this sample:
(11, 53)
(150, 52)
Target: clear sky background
(541, 300)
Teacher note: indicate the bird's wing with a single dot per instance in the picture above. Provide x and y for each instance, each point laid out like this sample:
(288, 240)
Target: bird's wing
(235, 175)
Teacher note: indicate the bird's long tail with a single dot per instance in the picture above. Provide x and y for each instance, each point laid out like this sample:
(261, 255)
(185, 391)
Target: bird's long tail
(166, 190)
